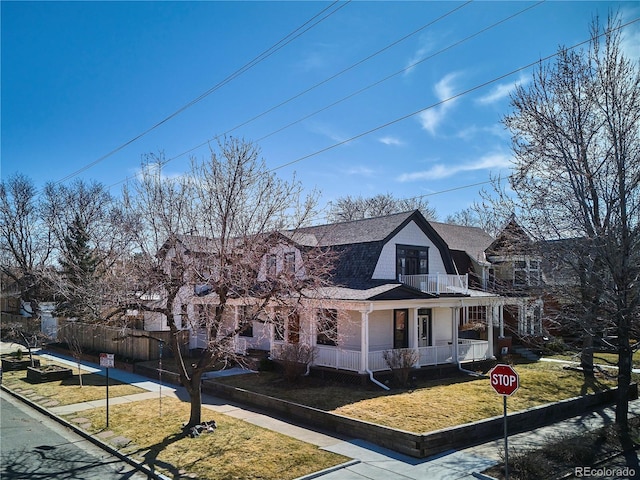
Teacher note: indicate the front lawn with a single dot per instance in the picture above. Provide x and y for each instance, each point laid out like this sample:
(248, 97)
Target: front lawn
(235, 450)
(601, 358)
(432, 405)
(68, 391)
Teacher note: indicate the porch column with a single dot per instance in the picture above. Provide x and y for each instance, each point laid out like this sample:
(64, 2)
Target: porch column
(413, 336)
(413, 331)
(454, 334)
(490, 320)
(501, 319)
(364, 341)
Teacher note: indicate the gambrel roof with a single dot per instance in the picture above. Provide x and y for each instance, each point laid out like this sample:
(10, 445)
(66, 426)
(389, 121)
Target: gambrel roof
(473, 241)
(360, 244)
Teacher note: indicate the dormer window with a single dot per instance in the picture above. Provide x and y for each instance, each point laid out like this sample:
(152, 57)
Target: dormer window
(272, 265)
(290, 262)
(412, 260)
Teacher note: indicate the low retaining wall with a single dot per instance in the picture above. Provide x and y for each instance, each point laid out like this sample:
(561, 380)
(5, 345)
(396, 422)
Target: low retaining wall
(167, 376)
(421, 445)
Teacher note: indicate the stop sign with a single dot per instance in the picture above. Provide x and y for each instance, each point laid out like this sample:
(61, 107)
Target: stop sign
(504, 379)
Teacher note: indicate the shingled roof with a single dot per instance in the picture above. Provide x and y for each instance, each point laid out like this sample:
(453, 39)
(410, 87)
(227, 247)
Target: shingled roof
(471, 240)
(348, 233)
(360, 244)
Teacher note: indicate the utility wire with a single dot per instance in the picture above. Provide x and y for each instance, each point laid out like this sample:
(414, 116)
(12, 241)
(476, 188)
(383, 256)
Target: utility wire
(262, 56)
(404, 117)
(353, 94)
(441, 102)
(351, 67)
(399, 72)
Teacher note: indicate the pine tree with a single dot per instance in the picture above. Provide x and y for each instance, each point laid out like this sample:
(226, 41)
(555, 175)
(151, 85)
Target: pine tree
(79, 271)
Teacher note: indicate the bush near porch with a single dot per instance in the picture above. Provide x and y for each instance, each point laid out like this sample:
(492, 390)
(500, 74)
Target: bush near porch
(431, 405)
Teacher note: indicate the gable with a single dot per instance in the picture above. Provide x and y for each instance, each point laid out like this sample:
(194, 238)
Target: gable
(413, 233)
(512, 240)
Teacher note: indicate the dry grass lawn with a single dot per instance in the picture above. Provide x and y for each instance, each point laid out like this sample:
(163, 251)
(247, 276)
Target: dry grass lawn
(431, 405)
(236, 450)
(68, 391)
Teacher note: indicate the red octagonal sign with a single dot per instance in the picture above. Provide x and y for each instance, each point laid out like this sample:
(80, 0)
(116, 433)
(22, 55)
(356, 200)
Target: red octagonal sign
(504, 379)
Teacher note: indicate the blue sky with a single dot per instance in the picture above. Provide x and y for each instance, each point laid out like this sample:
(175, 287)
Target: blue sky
(82, 79)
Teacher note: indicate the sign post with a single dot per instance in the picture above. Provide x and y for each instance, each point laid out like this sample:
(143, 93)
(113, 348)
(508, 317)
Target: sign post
(505, 381)
(107, 361)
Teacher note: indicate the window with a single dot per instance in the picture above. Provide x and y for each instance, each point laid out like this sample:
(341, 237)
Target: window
(400, 328)
(278, 325)
(476, 314)
(526, 273)
(204, 312)
(293, 333)
(271, 265)
(412, 260)
(290, 262)
(327, 327)
(245, 322)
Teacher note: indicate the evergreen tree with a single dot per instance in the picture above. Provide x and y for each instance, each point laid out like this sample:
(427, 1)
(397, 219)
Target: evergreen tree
(79, 273)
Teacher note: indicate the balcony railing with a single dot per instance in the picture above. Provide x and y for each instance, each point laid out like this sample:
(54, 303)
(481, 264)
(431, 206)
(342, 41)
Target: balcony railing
(438, 283)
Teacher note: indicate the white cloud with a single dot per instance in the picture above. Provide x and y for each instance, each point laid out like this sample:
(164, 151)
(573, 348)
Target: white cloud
(389, 140)
(328, 131)
(430, 119)
(496, 130)
(360, 170)
(630, 41)
(418, 56)
(439, 171)
(502, 91)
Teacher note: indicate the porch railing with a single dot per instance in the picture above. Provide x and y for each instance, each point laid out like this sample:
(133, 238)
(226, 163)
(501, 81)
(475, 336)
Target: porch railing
(471, 350)
(438, 283)
(338, 358)
(468, 350)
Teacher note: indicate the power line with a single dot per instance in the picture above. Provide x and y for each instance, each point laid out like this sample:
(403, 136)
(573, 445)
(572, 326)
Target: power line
(399, 72)
(404, 117)
(353, 94)
(299, 31)
(351, 67)
(441, 102)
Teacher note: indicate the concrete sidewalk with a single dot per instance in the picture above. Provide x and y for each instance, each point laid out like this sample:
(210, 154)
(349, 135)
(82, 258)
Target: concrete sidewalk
(370, 462)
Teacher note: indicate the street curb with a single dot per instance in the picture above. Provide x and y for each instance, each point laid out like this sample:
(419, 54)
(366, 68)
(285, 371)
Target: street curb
(335, 468)
(137, 465)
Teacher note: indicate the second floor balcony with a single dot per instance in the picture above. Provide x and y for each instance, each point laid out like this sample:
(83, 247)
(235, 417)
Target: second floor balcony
(437, 283)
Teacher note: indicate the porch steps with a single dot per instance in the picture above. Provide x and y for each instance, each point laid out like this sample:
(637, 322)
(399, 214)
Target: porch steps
(525, 353)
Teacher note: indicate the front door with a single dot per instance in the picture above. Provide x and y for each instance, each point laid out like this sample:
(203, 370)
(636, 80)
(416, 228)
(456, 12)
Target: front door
(424, 327)
(400, 328)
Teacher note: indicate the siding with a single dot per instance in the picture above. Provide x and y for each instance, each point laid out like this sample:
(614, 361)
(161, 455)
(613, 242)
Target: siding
(410, 235)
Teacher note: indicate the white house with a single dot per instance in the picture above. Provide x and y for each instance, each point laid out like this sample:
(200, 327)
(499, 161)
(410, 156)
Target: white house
(396, 286)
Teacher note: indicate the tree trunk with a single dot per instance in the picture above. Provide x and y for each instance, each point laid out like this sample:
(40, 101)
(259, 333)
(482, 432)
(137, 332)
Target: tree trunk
(195, 397)
(624, 373)
(586, 356)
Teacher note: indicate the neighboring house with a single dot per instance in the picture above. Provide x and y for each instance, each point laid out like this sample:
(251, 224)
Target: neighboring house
(516, 273)
(398, 284)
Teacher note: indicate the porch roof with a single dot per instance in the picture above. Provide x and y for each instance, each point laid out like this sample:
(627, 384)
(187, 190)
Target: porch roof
(385, 291)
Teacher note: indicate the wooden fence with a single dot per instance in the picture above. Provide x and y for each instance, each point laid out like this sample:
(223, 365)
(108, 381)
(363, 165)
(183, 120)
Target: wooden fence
(126, 343)
(26, 325)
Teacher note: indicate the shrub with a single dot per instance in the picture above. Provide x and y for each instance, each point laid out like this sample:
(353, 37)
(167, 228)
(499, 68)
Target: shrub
(295, 358)
(401, 361)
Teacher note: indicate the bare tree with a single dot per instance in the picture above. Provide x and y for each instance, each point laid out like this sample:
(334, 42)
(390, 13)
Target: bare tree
(92, 234)
(346, 209)
(479, 215)
(25, 246)
(242, 213)
(576, 142)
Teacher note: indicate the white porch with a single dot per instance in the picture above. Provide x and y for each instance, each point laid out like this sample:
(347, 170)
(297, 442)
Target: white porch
(345, 359)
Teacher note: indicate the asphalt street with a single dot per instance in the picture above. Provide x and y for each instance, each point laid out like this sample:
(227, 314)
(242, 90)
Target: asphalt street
(34, 447)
